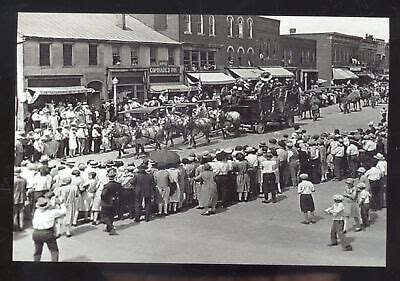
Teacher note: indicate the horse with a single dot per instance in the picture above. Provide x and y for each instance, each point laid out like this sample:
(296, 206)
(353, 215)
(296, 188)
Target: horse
(121, 137)
(315, 104)
(198, 125)
(353, 98)
(365, 96)
(229, 121)
(305, 106)
(153, 133)
(174, 124)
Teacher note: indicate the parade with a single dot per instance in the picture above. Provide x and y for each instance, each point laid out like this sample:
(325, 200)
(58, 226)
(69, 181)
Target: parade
(267, 145)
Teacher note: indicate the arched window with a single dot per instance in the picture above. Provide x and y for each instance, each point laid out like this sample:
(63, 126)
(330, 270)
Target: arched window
(240, 55)
(250, 27)
(240, 27)
(188, 24)
(230, 26)
(250, 53)
(211, 26)
(200, 24)
(230, 52)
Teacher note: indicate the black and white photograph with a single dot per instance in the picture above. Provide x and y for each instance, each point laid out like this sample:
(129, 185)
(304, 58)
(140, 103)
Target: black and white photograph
(201, 139)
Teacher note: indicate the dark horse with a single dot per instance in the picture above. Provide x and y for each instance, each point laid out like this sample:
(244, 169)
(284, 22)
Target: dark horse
(196, 126)
(121, 137)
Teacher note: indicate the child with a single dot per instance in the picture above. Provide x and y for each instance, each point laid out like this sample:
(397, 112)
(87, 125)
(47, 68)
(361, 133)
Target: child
(363, 202)
(337, 211)
(305, 189)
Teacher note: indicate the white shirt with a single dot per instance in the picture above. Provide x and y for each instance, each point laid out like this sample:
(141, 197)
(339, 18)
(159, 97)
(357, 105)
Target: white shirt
(382, 166)
(268, 166)
(369, 145)
(352, 150)
(373, 174)
(305, 187)
(252, 159)
(45, 219)
(363, 197)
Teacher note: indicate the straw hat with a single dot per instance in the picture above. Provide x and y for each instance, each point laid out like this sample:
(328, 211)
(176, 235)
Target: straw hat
(379, 156)
(361, 170)
(338, 197)
(303, 176)
(42, 203)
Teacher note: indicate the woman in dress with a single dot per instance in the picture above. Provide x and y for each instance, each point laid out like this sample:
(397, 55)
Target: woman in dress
(68, 196)
(208, 189)
(79, 182)
(175, 195)
(72, 141)
(242, 178)
(197, 186)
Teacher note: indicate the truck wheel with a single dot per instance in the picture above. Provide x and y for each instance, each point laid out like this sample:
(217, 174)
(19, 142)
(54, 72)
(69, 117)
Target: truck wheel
(290, 121)
(260, 128)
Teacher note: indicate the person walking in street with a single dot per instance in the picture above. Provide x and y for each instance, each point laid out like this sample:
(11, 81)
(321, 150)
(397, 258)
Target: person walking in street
(68, 196)
(305, 189)
(111, 190)
(19, 199)
(144, 191)
(43, 224)
(208, 189)
(161, 179)
(337, 212)
(363, 202)
(269, 174)
(351, 206)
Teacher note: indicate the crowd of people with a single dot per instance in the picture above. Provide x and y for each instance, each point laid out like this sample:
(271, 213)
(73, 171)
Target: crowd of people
(102, 192)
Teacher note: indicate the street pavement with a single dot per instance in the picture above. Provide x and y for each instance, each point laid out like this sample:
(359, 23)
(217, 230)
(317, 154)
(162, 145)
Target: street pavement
(246, 233)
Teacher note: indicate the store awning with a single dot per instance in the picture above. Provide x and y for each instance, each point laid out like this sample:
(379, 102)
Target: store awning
(366, 74)
(278, 72)
(343, 74)
(245, 73)
(57, 91)
(171, 87)
(309, 70)
(210, 78)
(321, 81)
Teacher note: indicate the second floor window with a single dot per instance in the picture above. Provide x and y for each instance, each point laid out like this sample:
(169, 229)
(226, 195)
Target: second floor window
(171, 56)
(115, 55)
(67, 54)
(230, 26)
(250, 27)
(92, 54)
(153, 60)
(200, 24)
(240, 27)
(134, 56)
(44, 54)
(188, 24)
(211, 26)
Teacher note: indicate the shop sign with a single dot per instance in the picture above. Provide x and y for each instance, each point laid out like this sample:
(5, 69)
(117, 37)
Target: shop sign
(164, 70)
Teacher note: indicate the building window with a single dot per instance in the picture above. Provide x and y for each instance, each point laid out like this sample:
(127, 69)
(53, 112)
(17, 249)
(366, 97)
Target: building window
(195, 60)
(44, 54)
(313, 57)
(171, 56)
(200, 26)
(240, 27)
(334, 55)
(188, 24)
(92, 54)
(134, 56)
(203, 60)
(308, 57)
(250, 27)
(160, 22)
(267, 47)
(240, 55)
(67, 54)
(290, 57)
(186, 60)
(211, 26)
(302, 57)
(115, 55)
(230, 26)
(211, 58)
(250, 53)
(153, 60)
(274, 48)
(230, 52)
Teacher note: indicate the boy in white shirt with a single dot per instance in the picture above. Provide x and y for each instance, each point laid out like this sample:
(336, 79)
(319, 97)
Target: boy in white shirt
(363, 201)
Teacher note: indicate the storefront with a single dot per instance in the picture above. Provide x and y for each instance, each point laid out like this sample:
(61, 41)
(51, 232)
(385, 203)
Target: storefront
(341, 75)
(308, 77)
(131, 83)
(278, 72)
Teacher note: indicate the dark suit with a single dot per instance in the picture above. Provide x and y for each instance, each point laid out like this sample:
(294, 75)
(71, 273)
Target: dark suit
(144, 189)
(111, 191)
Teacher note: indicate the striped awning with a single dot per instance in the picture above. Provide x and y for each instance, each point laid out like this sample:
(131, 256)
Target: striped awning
(56, 91)
(343, 74)
(245, 73)
(278, 72)
(210, 78)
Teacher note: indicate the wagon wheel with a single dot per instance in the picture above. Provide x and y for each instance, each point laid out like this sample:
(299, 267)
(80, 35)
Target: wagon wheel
(260, 128)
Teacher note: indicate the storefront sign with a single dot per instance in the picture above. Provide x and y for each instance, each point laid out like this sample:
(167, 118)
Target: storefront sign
(164, 70)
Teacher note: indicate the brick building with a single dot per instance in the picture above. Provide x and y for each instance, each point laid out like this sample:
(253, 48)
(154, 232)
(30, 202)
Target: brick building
(217, 42)
(299, 56)
(336, 53)
(65, 54)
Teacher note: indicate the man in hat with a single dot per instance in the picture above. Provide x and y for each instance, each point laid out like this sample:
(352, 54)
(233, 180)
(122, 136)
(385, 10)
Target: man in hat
(337, 212)
(19, 199)
(269, 171)
(43, 224)
(110, 192)
(338, 156)
(252, 159)
(363, 201)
